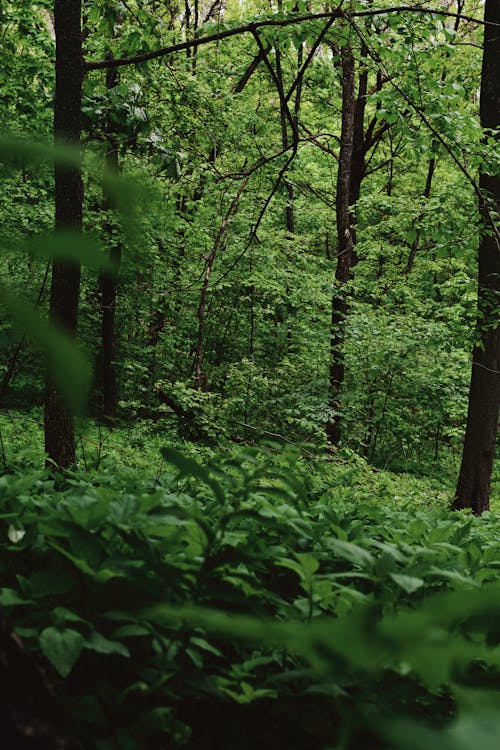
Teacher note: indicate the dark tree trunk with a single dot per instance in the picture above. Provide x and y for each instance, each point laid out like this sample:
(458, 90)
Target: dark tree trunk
(344, 249)
(65, 287)
(355, 144)
(359, 148)
(289, 210)
(108, 281)
(474, 482)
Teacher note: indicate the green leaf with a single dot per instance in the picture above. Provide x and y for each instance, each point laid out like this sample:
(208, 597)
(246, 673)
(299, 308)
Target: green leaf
(68, 367)
(87, 547)
(103, 645)
(308, 562)
(131, 630)
(62, 648)
(469, 732)
(189, 467)
(205, 646)
(73, 247)
(49, 582)
(10, 598)
(352, 552)
(408, 583)
(13, 150)
(411, 235)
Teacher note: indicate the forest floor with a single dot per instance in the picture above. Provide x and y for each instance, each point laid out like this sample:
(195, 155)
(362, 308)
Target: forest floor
(135, 446)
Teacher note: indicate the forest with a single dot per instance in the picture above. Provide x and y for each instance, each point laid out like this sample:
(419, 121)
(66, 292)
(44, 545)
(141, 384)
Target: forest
(249, 374)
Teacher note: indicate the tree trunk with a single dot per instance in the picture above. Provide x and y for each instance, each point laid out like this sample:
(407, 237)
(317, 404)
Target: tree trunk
(108, 281)
(199, 375)
(474, 482)
(359, 148)
(426, 194)
(65, 286)
(344, 251)
(289, 210)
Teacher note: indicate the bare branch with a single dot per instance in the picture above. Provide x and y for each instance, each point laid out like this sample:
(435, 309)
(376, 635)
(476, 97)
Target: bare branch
(315, 139)
(251, 70)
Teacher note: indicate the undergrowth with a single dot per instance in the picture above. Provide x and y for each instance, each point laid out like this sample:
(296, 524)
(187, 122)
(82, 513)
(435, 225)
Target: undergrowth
(253, 599)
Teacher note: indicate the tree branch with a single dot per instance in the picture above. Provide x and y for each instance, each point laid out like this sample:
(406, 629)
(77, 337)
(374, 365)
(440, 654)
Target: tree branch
(251, 28)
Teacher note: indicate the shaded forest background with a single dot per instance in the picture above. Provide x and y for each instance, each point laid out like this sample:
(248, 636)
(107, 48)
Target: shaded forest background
(224, 302)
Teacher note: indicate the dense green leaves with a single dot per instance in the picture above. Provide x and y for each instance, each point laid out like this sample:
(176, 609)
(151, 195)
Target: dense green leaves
(310, 579)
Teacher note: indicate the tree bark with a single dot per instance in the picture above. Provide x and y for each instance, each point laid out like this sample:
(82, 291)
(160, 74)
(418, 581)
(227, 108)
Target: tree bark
(108, 281)
(474, 481)
(65, 286)
(344, 251)
(355, 144)
(359, 148)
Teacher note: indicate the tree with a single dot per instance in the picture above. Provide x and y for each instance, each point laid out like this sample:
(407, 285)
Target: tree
(355, 144)
(65, 285)
(265, 293)
(108, 282)
(345, 245)
(474, 481)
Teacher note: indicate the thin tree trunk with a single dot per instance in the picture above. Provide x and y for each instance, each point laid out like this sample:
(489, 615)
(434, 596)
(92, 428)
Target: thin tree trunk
(289, 210)
(344, 251)
(108, 281)
(359, 148)
(187, 21)
(474, 481)
(65, 286)
(427, 191)
(196, 22)
(209, 261)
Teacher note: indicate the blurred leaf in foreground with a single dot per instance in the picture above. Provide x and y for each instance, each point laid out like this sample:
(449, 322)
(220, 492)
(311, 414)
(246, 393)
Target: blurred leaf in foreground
(68, 367)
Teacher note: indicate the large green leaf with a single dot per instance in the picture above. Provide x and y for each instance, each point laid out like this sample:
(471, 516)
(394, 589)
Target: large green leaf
(102, 645)
(14, 150)
(10, 598)
(408, 583)
(68, 367)
(62, 648)
(70, 246)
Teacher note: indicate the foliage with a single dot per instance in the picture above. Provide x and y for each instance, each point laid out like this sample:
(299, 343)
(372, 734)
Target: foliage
(186, 138)
(299, 599)
(175, 589)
